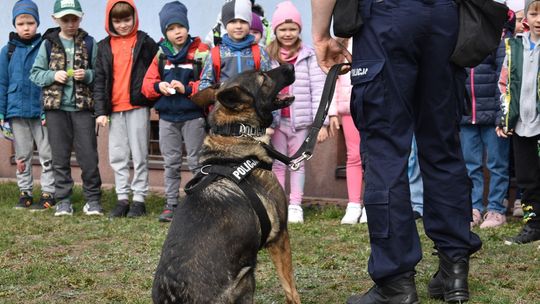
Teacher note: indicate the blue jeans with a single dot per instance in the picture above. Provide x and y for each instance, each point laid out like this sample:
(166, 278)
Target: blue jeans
(476, 140)
(415, 180)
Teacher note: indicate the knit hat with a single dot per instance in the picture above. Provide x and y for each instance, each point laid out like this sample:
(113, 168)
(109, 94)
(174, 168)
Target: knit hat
(286, 12)
(516, 5)
(25, 7)
(171, 13)
(236, 9)
(256, 23)
(527, 4)
(67, 7)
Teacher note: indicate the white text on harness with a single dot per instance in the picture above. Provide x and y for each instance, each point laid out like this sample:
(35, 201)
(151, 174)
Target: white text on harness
(245, 168)
(359, 72)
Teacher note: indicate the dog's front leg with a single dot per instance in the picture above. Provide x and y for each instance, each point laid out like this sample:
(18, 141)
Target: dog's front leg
(280, 252)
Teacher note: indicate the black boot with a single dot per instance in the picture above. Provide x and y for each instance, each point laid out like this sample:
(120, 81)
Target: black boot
(402, 290)
(450, 281)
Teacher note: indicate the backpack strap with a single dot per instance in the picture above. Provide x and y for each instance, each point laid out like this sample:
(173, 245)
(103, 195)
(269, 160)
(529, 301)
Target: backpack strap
(216, 62)
(162, 58)
(11, 50)
(256, 51)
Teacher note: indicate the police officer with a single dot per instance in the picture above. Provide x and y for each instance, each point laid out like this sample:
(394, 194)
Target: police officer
(404, 84)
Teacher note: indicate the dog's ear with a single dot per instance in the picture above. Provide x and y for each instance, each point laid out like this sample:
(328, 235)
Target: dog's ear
(206, 97)
(234, 97)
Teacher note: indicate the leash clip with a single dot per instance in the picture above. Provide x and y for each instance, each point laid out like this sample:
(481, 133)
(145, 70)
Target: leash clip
(295, 164)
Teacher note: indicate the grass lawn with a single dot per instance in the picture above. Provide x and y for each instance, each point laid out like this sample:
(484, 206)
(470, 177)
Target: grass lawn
(80, 259)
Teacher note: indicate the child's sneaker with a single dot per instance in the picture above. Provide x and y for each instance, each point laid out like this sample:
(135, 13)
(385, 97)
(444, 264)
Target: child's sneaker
(137, 209)
(493, 219)
(25, 200)
(518, 209)
(167, 213)
(120, 210)
(46, 201)
(296, 214)
(93, 208)
(352, 214)
(527, 235)
(63, 208)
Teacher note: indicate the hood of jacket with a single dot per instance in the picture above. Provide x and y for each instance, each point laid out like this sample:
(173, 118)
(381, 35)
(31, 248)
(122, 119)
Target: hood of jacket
(108, 22)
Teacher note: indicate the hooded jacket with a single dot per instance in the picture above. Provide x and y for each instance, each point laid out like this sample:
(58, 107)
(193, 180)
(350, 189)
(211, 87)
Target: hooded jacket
(121, 65)
(177, 66)
(19, 97)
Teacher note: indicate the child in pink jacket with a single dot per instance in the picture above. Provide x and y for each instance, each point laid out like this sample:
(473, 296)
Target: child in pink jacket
(340, 106)
(292, 123)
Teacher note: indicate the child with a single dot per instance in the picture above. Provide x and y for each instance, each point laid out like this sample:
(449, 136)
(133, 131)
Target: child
(20, 104)
(236, 48)
(340, 106)
(293, 122)
(256, 28)
(123, 58)
(480, 144)
(169, 80)
(64, 70)
(519, 86)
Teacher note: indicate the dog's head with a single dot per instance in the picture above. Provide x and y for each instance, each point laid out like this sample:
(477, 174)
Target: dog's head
(249, 97)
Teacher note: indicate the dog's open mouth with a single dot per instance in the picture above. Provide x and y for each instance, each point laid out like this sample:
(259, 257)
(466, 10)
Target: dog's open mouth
(284, 100)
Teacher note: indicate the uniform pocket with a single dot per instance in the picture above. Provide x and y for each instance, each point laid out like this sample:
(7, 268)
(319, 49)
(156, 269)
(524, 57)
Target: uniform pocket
(376, 204)
(368, 93)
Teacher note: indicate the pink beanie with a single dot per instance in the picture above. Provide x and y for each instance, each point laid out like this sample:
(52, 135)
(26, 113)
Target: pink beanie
(286, 12)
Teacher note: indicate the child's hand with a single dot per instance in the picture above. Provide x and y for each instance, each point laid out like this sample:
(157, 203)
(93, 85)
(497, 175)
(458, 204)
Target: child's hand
(61, 77)
(21, 165)
(323, 134)
(334, 125)
(501, 133)
(269, 131)
(178, 86)
(102, 120)
(78, 74)
(165, 88)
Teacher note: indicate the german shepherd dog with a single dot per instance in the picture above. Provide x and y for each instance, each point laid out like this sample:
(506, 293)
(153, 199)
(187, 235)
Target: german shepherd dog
(210, 253)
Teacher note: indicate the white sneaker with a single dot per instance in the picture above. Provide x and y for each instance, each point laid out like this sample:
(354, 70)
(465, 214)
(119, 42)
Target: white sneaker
(363, 217)
(296, 214)
(352, 214)
(518, 210)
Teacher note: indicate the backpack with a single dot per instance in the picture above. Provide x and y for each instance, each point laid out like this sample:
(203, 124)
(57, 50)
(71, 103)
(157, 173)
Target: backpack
(480, 27)
(216, 59)
(88, 41)
(11, 50)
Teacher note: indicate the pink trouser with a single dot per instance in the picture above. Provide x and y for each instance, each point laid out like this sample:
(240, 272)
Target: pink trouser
(287, 142)
(354, 163)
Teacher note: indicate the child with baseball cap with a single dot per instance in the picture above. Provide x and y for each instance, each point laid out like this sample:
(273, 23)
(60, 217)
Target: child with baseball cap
(64, 69)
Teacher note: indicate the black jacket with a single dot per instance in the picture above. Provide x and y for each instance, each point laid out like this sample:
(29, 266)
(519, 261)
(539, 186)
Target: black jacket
(143, 54)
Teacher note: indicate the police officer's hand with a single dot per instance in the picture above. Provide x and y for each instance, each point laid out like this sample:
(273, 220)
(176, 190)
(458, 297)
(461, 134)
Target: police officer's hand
(61, 77)
(78, 74)
(334, 125)
(330, 52)
(102, 120)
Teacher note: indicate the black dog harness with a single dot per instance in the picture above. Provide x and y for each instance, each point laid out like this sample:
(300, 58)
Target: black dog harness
(237, 171)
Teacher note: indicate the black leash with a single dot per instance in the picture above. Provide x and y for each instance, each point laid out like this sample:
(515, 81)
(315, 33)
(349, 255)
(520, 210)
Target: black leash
(306, 150)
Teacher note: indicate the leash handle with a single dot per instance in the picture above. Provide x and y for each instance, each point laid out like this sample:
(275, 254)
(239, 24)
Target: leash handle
(305, 152)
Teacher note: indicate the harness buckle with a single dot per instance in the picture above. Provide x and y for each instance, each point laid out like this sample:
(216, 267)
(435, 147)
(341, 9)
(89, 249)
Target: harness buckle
(202, 169)
(295, 164)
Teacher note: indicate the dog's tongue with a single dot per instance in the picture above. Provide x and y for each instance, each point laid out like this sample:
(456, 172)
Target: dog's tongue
(284, 97)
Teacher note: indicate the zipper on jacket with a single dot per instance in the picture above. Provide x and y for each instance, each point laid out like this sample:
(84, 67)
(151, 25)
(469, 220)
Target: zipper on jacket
(473, 98)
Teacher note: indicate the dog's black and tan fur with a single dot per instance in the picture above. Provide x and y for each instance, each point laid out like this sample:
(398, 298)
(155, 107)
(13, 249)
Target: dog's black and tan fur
(210, 253)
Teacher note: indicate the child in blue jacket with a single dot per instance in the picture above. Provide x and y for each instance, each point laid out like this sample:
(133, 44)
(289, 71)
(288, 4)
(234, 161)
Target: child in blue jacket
(20, 105)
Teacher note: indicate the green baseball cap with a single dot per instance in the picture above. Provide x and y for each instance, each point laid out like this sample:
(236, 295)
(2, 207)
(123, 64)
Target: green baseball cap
(67, 7)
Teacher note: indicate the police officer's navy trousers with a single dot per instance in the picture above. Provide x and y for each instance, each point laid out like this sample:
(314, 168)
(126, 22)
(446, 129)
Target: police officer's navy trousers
(404, 83)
